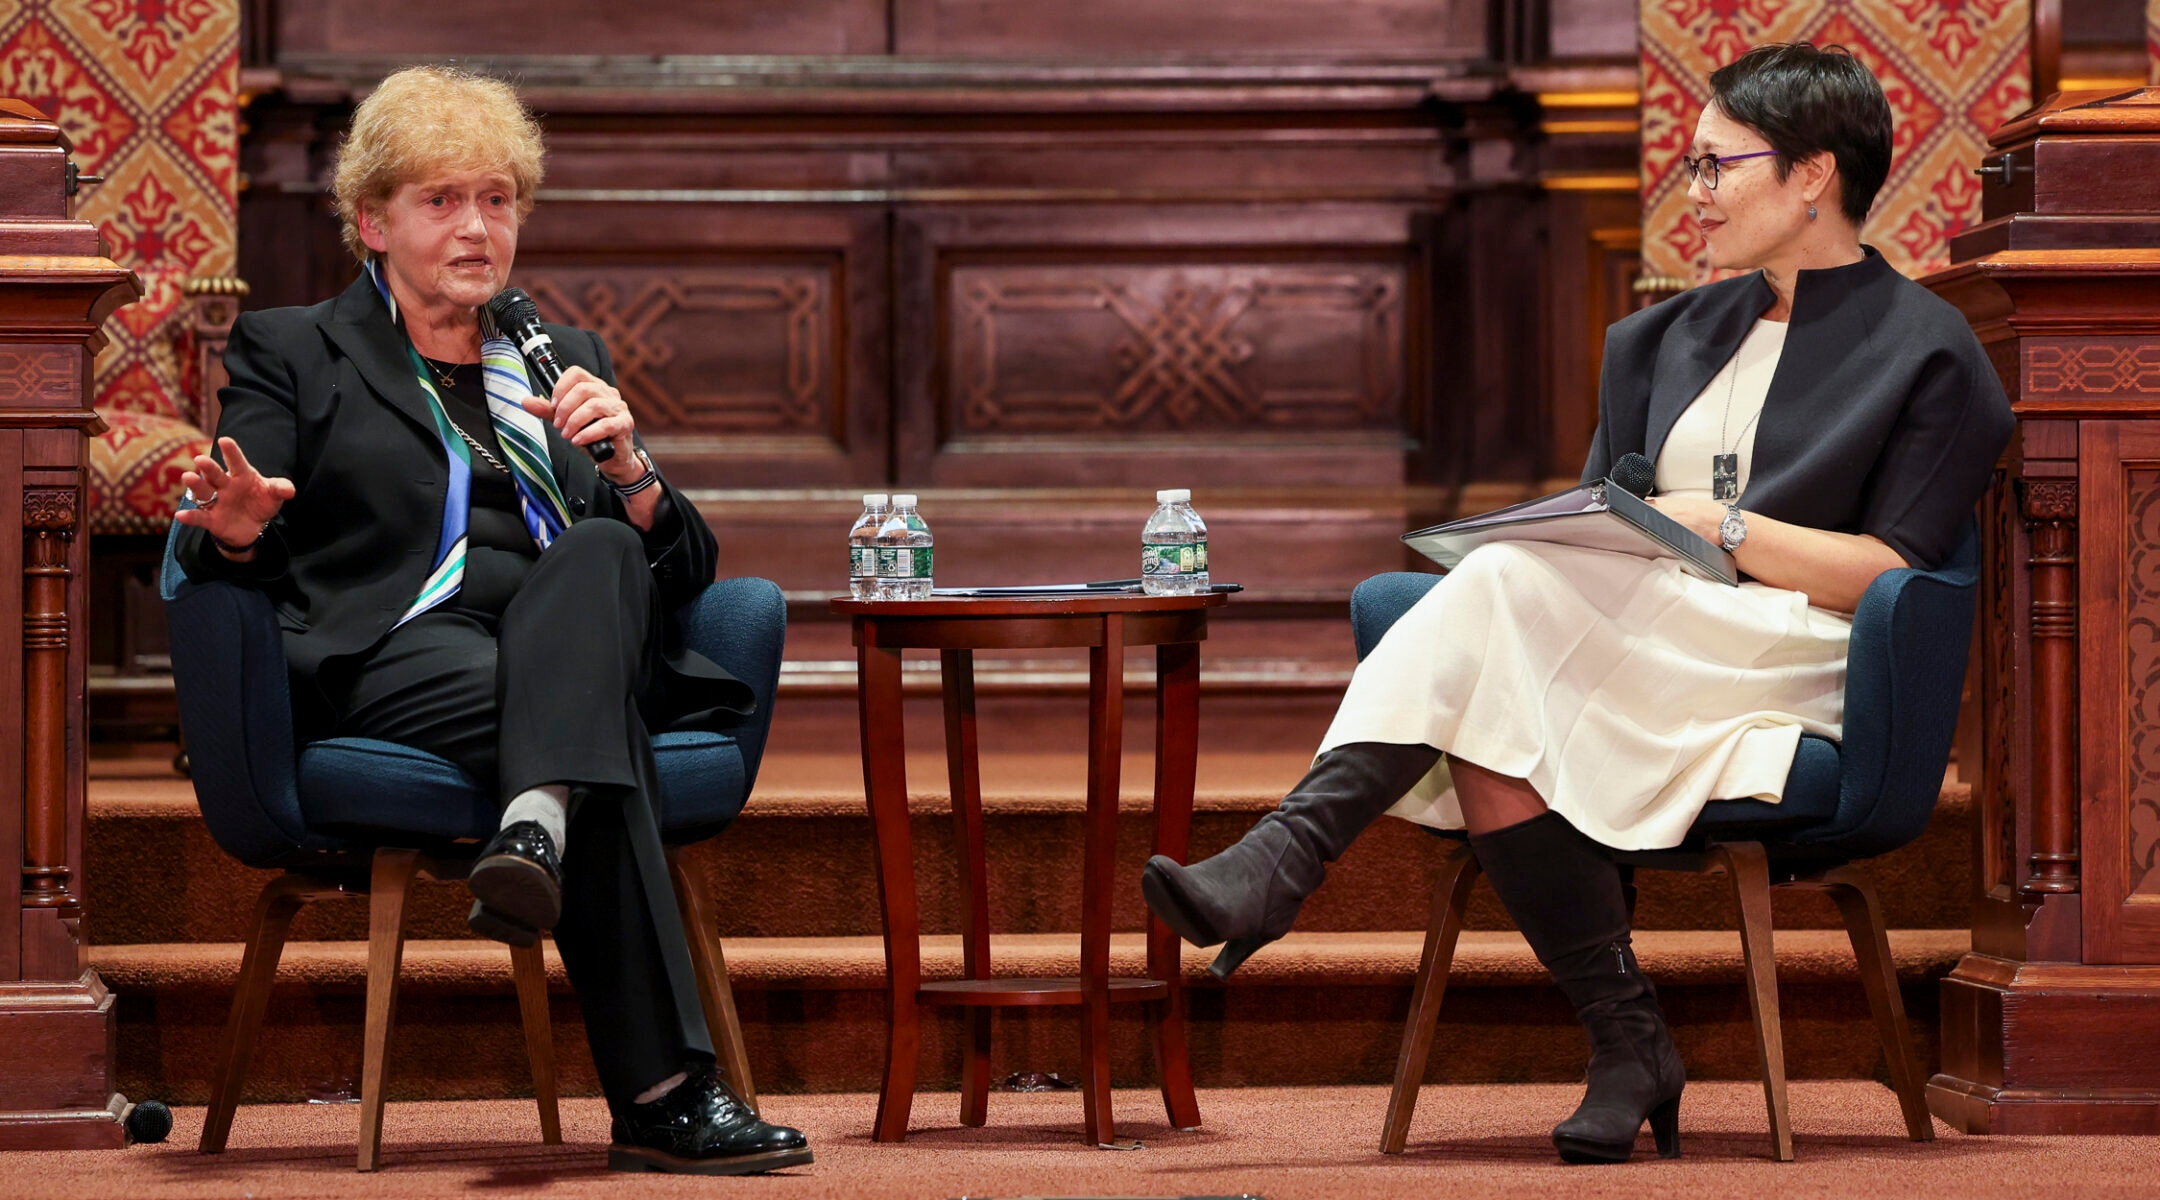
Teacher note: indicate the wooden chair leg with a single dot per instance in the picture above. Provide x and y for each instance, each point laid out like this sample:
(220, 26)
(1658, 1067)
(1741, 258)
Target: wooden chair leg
(1855, 898)
(389, 888)
(714, 990)
(529, 969)
(1451, 891)
(1748, 868)
(281, 898)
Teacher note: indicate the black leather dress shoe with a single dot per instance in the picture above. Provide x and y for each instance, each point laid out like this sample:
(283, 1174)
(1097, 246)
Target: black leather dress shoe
(703, 1128)
(516, 885)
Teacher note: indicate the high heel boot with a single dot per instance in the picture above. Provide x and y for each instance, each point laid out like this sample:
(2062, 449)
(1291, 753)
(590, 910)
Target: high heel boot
(1566, 896)
(1249, 894)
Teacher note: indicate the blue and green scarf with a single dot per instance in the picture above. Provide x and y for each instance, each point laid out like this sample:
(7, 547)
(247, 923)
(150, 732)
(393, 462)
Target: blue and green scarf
(523, 438)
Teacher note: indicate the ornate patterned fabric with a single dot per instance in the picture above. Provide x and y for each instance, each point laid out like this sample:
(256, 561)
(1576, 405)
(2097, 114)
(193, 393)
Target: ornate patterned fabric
(1954, 70)
(2152, 41)
(146, 91)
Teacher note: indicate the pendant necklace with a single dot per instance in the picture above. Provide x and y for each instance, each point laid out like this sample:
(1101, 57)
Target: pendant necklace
(445, 373)
(1725, 464)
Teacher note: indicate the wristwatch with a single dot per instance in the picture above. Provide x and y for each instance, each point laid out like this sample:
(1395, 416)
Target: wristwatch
(1733, 529)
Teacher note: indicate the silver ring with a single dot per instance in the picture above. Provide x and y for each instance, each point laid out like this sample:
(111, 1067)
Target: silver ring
(207, 505)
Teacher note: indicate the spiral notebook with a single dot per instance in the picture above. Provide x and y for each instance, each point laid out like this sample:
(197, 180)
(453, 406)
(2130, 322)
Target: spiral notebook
(1598, 515)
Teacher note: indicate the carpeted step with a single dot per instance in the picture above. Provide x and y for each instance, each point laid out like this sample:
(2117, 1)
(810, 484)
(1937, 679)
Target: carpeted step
(1313, 1008)
(800, 864)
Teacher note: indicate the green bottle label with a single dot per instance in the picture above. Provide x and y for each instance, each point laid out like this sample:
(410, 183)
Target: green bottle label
(1165, 558)
(862, 562)
(923, 558)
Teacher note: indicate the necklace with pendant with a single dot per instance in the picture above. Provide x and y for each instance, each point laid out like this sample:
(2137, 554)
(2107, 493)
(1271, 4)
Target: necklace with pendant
(445, 373)
(1725, 464)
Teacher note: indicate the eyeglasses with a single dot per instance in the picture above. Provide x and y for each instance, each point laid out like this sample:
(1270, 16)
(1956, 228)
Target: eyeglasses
(1707, 167)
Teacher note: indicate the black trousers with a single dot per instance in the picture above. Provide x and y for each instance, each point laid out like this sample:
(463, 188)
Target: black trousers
(550, 692)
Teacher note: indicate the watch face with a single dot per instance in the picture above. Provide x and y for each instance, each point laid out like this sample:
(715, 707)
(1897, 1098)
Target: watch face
(1732, 530)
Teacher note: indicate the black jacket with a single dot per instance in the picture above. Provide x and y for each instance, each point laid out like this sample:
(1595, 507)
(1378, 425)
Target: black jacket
(1885, 416)
(326, 396)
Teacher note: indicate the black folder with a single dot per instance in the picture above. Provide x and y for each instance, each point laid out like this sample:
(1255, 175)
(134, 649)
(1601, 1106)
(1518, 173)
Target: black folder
(1599, 515)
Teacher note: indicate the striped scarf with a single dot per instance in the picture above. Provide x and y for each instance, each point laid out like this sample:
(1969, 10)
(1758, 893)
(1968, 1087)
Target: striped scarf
(523, 438)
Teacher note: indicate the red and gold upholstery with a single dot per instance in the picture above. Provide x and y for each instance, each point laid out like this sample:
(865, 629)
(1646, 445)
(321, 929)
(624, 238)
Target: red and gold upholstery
(1953, 70)
(2152, 41)
(147, 93)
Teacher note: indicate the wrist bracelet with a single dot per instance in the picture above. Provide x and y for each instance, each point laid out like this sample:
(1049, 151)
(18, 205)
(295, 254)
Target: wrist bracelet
(230, 549)
(649, 478)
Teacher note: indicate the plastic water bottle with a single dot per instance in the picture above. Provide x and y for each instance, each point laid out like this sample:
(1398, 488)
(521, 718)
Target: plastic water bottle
(905, 552)
(862, 547)
(1173, 547)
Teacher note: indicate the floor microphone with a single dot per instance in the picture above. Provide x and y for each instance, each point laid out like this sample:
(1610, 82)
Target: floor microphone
(518, 318)
(1634, 474)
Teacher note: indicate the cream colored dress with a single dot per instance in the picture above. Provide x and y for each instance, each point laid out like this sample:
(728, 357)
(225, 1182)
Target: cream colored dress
(1627, 691)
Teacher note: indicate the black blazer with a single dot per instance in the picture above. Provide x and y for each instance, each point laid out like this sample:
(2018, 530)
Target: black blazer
(326, 396)
(1884, 417)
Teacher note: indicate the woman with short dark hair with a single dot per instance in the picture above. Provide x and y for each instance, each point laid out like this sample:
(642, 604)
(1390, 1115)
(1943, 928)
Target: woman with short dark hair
(1821, 417)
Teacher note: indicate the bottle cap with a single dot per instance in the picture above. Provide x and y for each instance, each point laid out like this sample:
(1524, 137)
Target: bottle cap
(874, 500)
(1174, 496)
(903, 500)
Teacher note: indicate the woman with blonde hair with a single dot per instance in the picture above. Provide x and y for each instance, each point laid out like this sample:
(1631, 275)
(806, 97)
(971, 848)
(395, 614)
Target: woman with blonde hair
(454, 571)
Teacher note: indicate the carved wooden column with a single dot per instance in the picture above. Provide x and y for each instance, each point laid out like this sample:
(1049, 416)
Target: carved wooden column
(2050, 508)
(56, 289)
(2052, 1023)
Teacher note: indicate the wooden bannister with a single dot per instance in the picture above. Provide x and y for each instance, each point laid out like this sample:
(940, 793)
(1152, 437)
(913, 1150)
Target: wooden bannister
(56, 289)
(2052, 1023)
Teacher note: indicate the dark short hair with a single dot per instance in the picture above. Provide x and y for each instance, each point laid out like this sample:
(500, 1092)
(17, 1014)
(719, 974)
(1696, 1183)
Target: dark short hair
(1805, 100)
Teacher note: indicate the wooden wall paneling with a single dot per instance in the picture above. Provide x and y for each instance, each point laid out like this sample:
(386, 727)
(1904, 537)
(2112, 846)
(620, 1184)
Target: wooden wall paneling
(1596, 240)
(290, 251)
(321, 28)
(1102, 345)
(750, 338)
(1400, 29)
(12, 831)
(1490, 368)
(2119, 585)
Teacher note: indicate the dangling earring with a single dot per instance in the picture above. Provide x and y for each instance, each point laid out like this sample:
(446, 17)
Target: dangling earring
(1810, 212)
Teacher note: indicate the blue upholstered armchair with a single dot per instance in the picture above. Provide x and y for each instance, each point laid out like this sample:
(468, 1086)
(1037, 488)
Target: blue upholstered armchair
(353, 816)
(1866, 796)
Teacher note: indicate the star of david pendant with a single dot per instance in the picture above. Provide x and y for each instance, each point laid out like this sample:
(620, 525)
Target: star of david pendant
(1725, 478)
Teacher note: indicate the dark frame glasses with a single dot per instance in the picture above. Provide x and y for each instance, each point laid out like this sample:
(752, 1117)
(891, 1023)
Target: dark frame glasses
(1711, 163)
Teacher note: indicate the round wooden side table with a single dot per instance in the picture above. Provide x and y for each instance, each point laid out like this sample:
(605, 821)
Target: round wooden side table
(956, 628)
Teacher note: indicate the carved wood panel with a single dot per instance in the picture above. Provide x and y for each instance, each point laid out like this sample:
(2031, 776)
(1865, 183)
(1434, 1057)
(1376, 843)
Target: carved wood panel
(749, 342)
(2141, 637)
(711, 349)
(39, 376)
(2118, 723)
(2058, 368)
(1051, 349)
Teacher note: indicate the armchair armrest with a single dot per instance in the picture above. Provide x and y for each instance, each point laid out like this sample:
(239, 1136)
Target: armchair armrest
(1903, 675)
(741, 625)
(228, 661)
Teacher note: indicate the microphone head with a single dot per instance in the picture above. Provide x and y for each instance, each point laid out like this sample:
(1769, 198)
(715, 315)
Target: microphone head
(1634, 474)
(513, 309)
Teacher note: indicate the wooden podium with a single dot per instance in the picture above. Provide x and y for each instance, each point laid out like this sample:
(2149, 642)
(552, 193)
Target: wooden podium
(56, 289)
(2052, 1023)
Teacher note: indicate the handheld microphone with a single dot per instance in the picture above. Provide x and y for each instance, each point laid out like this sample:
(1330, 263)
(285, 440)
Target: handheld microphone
(1634, 474)
(519, 320)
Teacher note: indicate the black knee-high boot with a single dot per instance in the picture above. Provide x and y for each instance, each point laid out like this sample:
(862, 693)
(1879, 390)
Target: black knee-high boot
(1566, 896)
(1249, 894)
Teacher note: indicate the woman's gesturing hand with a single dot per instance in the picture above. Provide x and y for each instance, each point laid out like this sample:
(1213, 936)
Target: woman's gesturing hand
(233, 502)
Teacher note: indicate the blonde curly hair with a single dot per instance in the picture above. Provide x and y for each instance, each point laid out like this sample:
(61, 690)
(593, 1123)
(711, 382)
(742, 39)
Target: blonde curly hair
(428, 119)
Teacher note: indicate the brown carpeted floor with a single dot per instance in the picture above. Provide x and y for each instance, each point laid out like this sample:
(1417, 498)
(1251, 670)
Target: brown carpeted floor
(1275, 1143)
